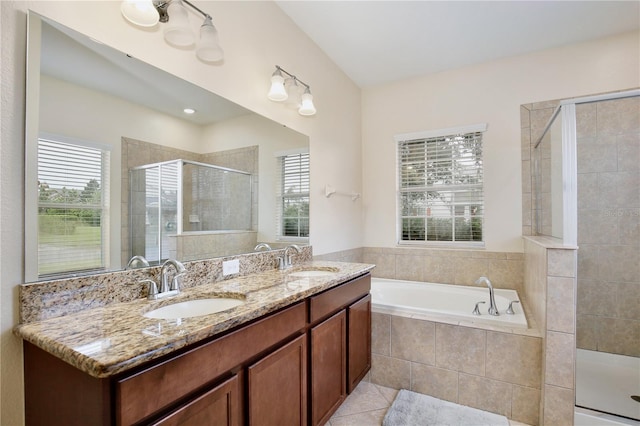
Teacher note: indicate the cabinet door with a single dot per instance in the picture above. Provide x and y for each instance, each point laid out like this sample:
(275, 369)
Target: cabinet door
(218, 407)
(359, 318)
(278, 386)
(328, 367)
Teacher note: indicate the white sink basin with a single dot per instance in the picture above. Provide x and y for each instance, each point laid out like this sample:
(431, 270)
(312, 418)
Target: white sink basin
(194, 308)
(310, 273)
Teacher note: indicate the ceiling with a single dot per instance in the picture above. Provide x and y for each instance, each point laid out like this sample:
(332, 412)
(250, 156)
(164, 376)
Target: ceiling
(74, 57)
(376, 42)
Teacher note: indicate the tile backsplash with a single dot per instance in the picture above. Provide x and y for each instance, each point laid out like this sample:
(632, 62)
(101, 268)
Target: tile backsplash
(49, 299)
(454, 266)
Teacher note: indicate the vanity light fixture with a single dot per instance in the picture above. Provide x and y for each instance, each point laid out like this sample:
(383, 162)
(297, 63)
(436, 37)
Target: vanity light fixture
(289, 90)
(177, 31)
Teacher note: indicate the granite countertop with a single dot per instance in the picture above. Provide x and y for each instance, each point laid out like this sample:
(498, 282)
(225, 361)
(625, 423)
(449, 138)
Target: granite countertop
(108, 340)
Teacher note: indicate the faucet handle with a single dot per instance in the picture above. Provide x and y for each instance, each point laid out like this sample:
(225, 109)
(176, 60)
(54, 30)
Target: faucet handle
(476, 310)
(509, 310)
(153, 288)
(175, 283)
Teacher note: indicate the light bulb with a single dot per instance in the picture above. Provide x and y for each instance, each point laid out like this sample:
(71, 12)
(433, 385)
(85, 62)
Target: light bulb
(277, 92)
(307, 107)
(208, 48)
(140, 12)
(294, 91)
(177, 30)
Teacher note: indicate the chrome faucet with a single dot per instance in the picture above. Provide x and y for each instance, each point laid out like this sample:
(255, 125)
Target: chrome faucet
(171, 283)
(284, 262)
(493, 310)
(137, 262)
(262, 246)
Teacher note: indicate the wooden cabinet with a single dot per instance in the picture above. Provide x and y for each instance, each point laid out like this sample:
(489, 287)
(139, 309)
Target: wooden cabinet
(195, 369)
(329, 367)
(277, 386)
(340, 345)
(292, 367)
(218, 407)
(359, 345)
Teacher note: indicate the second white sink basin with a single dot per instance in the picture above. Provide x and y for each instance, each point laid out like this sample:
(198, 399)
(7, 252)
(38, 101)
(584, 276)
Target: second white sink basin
(194, 308)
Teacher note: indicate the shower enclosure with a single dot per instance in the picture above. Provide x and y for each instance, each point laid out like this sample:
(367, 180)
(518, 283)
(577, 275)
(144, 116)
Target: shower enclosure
(586, 191)
(172, 202)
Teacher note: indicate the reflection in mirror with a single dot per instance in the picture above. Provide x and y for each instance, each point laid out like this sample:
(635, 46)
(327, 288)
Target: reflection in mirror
(95, 116)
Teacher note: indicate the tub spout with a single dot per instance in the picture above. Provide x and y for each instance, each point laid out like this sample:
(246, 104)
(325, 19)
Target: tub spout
(493, 310)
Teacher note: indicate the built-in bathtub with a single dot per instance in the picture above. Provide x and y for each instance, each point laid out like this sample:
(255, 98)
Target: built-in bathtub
(450, 301)
(426, 339)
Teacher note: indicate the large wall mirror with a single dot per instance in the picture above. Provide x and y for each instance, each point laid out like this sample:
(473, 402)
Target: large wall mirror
(115, 167)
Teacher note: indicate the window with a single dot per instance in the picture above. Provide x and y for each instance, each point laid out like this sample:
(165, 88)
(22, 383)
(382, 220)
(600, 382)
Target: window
(440, 195)
(293, 196)
(72, 201)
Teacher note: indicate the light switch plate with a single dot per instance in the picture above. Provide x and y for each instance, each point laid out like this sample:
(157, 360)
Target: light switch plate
(230, 267)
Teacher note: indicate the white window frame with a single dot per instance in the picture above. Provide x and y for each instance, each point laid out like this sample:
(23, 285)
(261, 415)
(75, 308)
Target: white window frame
(423, 135)
(280, 196)
(32, 206)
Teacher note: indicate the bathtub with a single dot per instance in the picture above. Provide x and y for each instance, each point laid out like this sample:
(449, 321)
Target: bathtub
(453, 301)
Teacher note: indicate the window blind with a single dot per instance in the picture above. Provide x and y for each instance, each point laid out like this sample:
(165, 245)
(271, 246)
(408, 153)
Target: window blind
(293, 196)
(440, 194)
(73, 206)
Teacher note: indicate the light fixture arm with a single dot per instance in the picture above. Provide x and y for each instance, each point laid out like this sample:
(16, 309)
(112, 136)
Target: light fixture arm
(278, 67)
(162, 5)
(205, 14)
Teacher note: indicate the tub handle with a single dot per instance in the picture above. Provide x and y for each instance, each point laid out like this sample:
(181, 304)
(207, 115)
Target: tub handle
(510, 308)
(476, 310)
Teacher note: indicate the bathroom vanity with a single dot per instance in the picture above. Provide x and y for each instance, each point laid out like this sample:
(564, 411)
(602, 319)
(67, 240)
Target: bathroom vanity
(288, 356)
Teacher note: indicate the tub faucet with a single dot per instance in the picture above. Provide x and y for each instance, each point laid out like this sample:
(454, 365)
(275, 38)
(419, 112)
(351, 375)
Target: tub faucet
(493, 310)
(284, 262)
(169, 283)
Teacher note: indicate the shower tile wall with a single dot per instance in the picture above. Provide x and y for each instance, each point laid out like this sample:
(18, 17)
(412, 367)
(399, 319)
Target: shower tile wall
(608, 318)
(245, 159)
(533, 119)
(138, 153)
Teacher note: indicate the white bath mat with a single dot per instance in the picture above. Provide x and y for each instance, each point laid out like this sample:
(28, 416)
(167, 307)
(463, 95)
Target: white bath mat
(415, 409)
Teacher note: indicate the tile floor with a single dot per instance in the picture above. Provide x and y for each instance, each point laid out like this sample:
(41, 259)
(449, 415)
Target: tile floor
(367, 405)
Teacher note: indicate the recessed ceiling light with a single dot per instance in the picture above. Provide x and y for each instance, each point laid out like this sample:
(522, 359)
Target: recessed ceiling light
(189, 111)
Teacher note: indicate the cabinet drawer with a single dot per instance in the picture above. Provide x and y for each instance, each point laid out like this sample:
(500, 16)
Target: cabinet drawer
(175, 378)
(333, 299)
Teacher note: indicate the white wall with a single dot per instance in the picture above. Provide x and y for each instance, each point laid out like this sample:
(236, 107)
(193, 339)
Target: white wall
(492, 93)
(255, 36)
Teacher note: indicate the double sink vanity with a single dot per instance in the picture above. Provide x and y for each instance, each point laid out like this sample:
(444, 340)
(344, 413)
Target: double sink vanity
(279, 347)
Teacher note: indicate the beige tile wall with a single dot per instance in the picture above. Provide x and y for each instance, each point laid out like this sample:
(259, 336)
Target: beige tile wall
(550, 289)
(486, 369)
(462, 267)
(608, 318)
